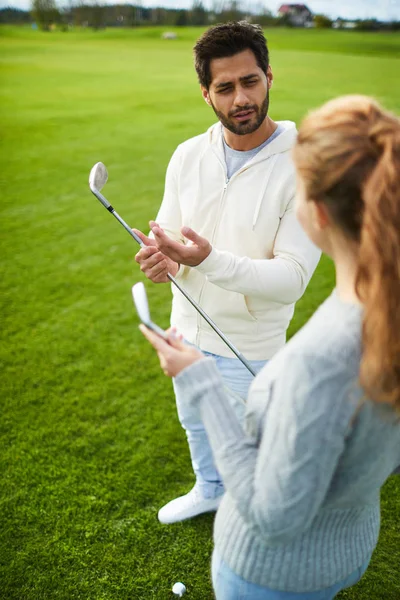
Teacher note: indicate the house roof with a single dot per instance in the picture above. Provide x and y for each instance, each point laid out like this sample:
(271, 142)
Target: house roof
(284, 8)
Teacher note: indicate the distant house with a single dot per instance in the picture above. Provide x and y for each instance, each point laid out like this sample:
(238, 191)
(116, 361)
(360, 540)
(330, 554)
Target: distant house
(342, 24)
(298, 15)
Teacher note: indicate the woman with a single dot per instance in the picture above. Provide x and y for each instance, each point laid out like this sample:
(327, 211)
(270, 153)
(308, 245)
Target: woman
(300, 517)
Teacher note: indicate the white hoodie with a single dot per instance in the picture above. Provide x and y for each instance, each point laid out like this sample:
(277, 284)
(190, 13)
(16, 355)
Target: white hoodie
(261, 260)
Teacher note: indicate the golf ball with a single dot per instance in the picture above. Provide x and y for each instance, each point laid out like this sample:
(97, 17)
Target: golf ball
(179, 589)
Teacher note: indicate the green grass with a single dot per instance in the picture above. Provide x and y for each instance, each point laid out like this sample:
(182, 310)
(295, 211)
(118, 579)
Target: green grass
(90, 442)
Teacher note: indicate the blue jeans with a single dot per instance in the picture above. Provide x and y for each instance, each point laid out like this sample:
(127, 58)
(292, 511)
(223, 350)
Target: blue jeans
(229, 586)
(237, 380)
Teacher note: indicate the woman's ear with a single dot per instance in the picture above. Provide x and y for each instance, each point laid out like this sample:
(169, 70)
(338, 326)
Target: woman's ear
(320, 216)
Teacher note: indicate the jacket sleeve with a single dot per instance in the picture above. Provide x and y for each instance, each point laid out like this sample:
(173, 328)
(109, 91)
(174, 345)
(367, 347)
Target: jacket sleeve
(169, 216)
(282, 278)
(279, 483)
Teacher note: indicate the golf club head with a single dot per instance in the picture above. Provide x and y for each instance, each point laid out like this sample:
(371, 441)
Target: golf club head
(98, 177)
(140, 300)
(142, 307)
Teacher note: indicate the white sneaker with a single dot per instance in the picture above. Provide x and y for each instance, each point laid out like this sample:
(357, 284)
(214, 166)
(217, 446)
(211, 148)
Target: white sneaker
(187, 506)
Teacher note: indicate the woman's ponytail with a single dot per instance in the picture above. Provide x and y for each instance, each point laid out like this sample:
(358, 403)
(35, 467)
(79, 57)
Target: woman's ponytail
(378, 277)
(348, 156)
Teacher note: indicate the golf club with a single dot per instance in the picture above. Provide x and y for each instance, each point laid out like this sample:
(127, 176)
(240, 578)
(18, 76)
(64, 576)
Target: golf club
(142, 306)
(97, 179)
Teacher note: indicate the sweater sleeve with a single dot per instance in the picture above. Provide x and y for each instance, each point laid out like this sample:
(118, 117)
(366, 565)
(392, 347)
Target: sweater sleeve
(279, 485)
(282, 278)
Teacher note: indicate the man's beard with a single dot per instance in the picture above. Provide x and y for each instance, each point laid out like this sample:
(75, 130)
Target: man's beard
(244, 127)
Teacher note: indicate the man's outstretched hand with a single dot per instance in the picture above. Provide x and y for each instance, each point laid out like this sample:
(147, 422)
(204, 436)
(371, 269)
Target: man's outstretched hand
(186, 254)
(153, 263)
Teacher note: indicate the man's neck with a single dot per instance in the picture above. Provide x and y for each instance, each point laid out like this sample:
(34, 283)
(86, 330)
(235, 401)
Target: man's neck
(251, 140)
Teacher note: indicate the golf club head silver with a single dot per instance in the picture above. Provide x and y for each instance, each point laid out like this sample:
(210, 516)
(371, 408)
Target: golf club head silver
(98, 176)
(97, 180)
(142, 306)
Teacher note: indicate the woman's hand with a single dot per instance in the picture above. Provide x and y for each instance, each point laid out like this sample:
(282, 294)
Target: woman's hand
(174, 355)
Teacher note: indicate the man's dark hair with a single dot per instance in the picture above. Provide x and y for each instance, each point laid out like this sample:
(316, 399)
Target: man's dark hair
(228, 39)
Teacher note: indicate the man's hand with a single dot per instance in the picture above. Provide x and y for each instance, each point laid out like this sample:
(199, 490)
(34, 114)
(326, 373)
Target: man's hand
(185, 254)
(174, 355)
(153, 263)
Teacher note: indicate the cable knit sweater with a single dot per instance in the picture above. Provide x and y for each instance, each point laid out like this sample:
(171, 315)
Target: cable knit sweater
(301, 509)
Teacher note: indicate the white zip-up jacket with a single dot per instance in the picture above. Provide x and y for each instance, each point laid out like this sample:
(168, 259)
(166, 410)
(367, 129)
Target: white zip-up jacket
(261, 261)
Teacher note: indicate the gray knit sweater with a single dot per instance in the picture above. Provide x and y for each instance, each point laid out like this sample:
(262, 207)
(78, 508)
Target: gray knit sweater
(301, 509)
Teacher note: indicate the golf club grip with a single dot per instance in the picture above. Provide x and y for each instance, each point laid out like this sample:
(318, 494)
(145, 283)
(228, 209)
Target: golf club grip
(190, 299)
(212, 324)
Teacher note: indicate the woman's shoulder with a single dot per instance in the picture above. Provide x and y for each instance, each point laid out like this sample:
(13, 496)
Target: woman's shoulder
(331, 336)
(328, 347)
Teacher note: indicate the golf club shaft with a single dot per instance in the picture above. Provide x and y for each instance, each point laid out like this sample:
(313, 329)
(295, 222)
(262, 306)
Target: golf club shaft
(172, 279)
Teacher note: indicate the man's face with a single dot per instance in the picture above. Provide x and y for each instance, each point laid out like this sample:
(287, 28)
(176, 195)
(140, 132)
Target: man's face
(239, 92)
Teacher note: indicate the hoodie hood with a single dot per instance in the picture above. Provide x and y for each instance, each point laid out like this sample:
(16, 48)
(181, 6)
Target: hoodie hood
(283, 143)
(271, 152)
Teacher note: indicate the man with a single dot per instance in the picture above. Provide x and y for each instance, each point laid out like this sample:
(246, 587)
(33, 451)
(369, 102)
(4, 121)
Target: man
(227, 230)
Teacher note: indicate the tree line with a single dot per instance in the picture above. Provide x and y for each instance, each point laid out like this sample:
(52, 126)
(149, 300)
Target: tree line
(47, 15)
